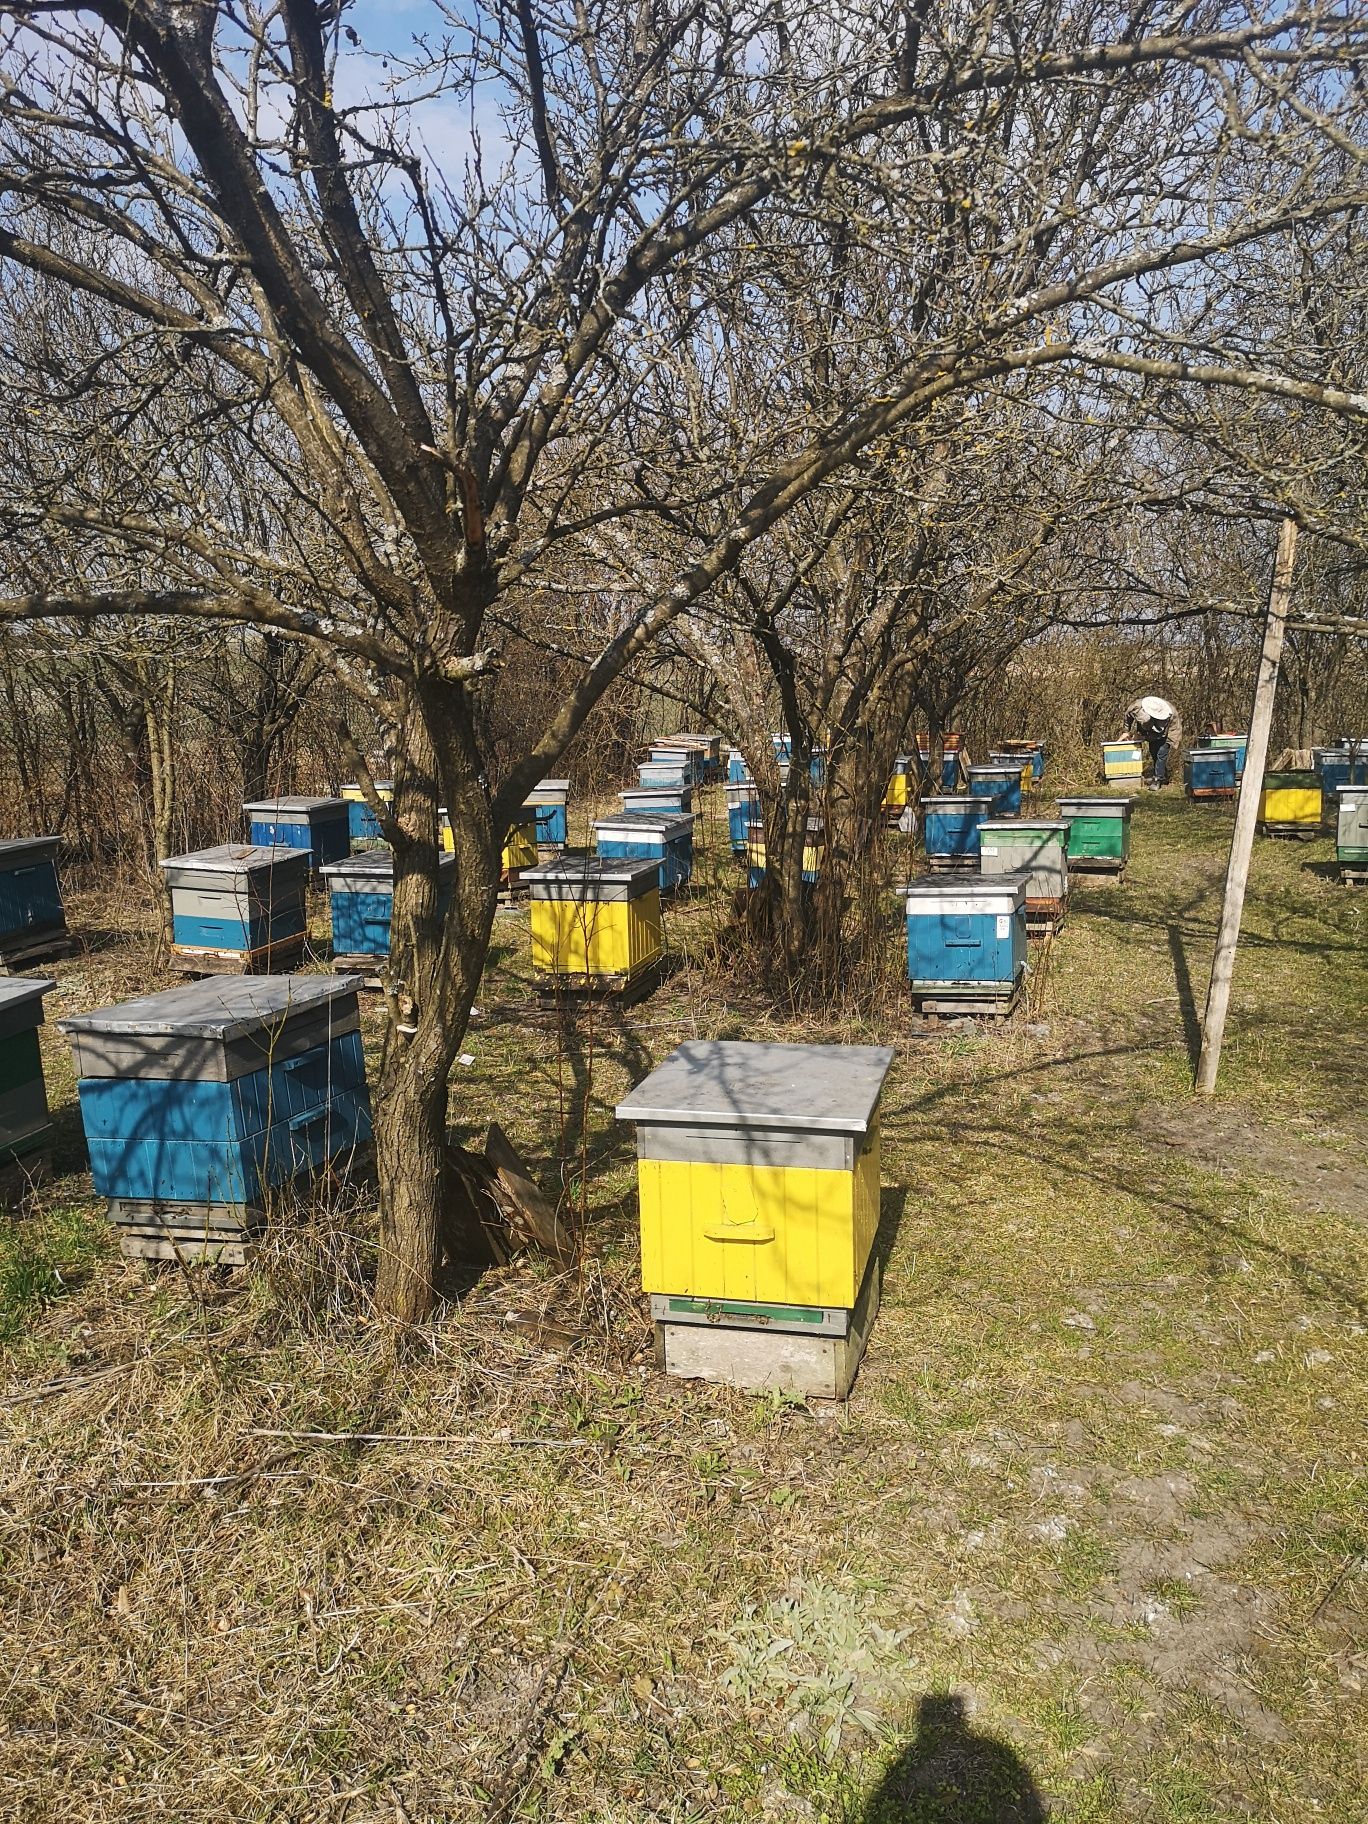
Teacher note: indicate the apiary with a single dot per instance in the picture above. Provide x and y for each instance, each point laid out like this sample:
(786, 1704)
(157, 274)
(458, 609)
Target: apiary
(743, 809)
(25, 1125)
(1351, 833)
(320, 825)
(814, 850)
(950, 832)
(966, 942)
(32, 916)
(1099, 833)
(595, 925)
(549, 805)
(1290, 804)
(758, 1181)
(636, 836)
(1001, 785)
(1211, 772)
(1034, 751)
(361, 905)
(1036, 848)
(658, 800)
(238, 909)
(201, 1102)
(362, 823)
(1123, 764)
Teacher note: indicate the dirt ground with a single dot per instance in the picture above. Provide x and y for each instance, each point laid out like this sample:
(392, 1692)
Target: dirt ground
(1087, 1542)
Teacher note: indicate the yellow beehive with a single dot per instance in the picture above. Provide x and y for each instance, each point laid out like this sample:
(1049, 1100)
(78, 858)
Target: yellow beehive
(895, 798)
(758, 1171)
(593, 919)
(1291, 801)
(1122, 760)
(520, 845)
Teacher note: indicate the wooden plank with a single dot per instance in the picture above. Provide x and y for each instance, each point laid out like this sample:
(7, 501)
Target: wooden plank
(524, 1205)
(214, 1253)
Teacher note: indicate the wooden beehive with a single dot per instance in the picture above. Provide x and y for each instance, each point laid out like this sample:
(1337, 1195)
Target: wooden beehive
(549, 805)
(203, 1102)
(362, 823)
(1211, 773)
(1099, 833)
(238, 909)
(814, 851)
(637, 836)
(25, 1125)
(1000, 785)
(1123, 764)
(1290, 803)
(950, 823)
(32, 915)
(1351, 832)
(320, 825)
(1037, 849)
(966, 942)
(361, 905)
(595, 925)
(658, 800)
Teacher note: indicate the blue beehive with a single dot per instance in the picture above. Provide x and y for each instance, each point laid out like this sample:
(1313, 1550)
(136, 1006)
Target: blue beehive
(743, 809)
(200, 1101)
(658, 800)
(638, 836)
(362, 823)
(1337, 766)
(32, 916)
(549, 805)
(950, 832)
(677, 771)
(999, 784)
(1211, 772)
(361, 903)
(738, 767)
(950, 766)
(320, 825)
(966, 937)
(238, 907)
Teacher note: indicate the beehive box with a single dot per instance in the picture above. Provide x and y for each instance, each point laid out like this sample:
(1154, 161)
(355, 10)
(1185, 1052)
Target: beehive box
(549, 805)
(595, 925)
(519, 850)
(758, 1179)
(677, 771)
(738, 767)
(1337, 766)
(1099, 833)
(320, 825)
(704, 750)
(1034, 751)
(743, 809)
(361, 905)
(966, 941)
(895, 797)
(1001, 785)
(1211, 772)
(362, 823)
(200, 1102)
(32, 916)
(814, 851)
(25, 1125)
(1351, 833)
(1037, 848)
(1123, 763)
(638, 836)
(238, 909)
(1238, 745)
(950, 832)
(658, 800)
(952, 759)
(1021, 761)
(1290, 803)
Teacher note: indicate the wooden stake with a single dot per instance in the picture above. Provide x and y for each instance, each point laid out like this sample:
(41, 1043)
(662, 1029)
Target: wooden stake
(1247, 810)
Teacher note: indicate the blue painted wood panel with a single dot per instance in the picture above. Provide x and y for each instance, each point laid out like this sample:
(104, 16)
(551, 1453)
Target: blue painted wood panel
(969, 947)
(237, 933)
(30, 899)
(326, 839)
(953, 830)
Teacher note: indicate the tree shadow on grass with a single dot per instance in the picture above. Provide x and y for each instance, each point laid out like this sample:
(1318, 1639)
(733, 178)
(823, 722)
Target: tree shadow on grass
(1187, 1001)
(950, 1774)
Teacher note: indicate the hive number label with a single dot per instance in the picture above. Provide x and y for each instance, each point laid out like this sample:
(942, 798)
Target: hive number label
(1004, 924)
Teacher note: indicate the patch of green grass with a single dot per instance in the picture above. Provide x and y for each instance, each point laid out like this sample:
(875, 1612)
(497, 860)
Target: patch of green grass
(44, 1257)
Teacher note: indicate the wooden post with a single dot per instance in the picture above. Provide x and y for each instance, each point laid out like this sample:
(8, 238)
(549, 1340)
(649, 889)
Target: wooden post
(1247, 810)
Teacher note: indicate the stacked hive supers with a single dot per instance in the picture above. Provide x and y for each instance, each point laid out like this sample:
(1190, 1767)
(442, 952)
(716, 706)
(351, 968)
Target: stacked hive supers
(758, 1176)
(203, 1102)
(237, 909)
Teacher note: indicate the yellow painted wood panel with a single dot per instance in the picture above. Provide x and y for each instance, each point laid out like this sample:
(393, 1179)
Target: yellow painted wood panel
(895, 798)
(776, 1234)
(520, 849)
(1290, 804)
(596, 937)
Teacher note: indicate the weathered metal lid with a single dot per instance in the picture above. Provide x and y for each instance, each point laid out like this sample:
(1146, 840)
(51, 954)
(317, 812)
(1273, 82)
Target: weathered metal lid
(1012, 771)
(236, 858)
(1024, 826)
(549, 791)
(1358, 790)
(221, 1007)
(19, 851)
(372, 871)
(734, 1083)
(972, 892)
(1097, 807)
(300, 807)
(384, 787)
(951, 801)
(638, 823)
(21, 1001)
(586, 877)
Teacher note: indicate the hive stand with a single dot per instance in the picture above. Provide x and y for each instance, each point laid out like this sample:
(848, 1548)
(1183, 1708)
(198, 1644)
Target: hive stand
(758, 1184)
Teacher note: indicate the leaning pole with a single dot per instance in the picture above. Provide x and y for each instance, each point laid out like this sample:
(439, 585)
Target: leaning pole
(1247, 810)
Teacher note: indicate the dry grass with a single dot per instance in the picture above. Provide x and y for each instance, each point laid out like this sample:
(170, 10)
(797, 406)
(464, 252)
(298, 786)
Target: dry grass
(1102, 1471)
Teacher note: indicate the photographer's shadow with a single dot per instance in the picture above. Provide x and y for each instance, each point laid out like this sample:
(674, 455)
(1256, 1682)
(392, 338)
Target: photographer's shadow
(948, 1774)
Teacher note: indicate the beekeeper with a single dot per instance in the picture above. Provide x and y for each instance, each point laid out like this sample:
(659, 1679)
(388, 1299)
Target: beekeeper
(1155, 722)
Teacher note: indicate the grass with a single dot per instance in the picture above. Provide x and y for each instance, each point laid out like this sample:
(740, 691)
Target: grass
(1089, 1532)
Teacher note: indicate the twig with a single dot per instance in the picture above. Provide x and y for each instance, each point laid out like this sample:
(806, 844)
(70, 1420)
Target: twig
(400, 1437)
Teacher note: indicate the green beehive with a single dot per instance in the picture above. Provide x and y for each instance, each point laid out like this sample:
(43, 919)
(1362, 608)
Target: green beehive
(1037, 849)
(1099, 833)
(1351, 835)
(25, 1126)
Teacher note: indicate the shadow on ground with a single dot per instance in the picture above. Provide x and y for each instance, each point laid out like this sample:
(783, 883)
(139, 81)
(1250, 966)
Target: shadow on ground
(950, 1774)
